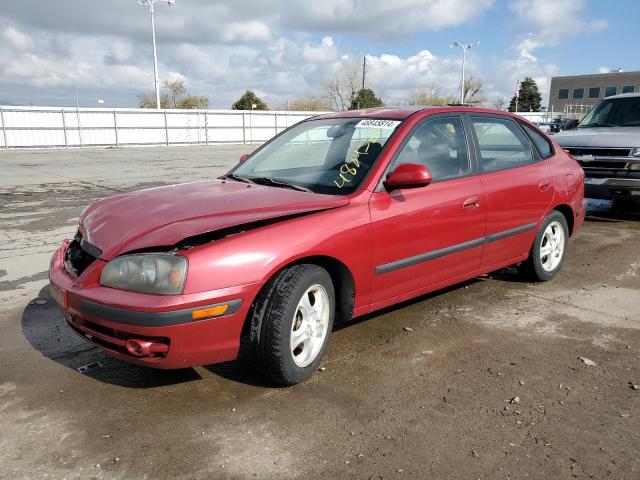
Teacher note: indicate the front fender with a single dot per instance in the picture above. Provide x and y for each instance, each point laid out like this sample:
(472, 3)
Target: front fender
(255, 255)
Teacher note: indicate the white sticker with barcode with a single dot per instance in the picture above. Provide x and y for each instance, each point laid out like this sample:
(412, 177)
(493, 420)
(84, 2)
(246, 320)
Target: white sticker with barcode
(375, 123)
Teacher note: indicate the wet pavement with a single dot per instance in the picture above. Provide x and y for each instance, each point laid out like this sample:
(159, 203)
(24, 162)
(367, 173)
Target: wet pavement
(435, 402)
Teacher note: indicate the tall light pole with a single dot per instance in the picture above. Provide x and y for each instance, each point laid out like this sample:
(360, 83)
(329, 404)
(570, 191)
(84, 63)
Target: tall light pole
(151, 4)
(464, 47)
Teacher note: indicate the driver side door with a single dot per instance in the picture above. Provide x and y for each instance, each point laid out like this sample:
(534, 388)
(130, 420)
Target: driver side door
(423, 236)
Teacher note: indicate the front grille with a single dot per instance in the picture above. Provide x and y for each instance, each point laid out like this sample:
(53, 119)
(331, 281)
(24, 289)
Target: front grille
(599, 152)
(76, 258)
(602, 161)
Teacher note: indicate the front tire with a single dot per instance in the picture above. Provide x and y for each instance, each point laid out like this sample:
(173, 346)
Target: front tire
(549, 248)
(292, 320)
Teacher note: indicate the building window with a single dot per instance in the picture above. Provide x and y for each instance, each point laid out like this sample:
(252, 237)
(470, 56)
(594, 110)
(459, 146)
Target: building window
(610, 90)
(563, 94)
(628, 89)
(578, 93)
(594, 92)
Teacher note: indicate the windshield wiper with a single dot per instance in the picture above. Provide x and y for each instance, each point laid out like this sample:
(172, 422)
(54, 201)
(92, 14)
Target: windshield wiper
(278, 183)
(591, 125)
(236, 178)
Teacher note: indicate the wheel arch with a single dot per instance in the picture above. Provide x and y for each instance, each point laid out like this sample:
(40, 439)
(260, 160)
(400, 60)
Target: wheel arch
(341, 276)
(568, 214)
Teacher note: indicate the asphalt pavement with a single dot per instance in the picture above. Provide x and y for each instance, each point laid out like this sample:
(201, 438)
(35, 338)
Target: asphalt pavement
(490, 381)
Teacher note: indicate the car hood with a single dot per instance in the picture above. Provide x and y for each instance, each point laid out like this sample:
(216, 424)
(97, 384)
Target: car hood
(623, 137)
(164, 216)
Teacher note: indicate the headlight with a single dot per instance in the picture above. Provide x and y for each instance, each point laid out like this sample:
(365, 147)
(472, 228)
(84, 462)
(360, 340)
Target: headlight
(160, 274)
(635, 152)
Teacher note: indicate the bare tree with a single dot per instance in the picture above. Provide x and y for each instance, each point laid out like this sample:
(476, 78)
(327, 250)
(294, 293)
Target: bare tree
(499, 103)
(174, 95)
(431, 96)
(341, 88)
(473, 88)
(309, 104)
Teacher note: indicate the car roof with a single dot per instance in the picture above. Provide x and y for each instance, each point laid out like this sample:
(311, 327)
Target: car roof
(623, 95)
(401, 113)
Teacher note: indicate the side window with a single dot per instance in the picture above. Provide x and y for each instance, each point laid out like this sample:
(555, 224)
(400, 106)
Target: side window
(440, 145)
(541, 143)
(502, 144)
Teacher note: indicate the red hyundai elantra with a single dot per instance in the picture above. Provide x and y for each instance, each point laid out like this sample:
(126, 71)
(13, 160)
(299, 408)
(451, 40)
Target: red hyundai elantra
(337, 216)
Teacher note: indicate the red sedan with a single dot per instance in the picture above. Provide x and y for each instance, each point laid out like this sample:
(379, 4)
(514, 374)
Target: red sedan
(340, 215)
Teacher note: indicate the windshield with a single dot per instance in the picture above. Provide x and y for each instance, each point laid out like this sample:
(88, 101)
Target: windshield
(325, 156)
(618, 112)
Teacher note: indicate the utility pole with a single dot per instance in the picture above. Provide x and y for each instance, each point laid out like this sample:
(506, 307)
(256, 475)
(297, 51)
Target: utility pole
(364, 70)
(465, 47)
(517, 94)
(151, 4)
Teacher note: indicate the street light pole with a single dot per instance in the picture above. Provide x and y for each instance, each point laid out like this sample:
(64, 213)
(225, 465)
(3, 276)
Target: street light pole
(151, 4)
(464, 47)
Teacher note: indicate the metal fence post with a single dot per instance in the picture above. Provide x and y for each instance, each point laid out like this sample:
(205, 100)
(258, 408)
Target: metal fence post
(206, 128)
(4, 130)
(64, 128)
(166, 128)
(79, 126)
(115, 127)
(275, 116)
(244, 130)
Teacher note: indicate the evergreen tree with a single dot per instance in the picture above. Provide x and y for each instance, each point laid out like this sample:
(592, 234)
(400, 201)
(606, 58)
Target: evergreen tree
(247, 100)
(529, 97)
(365, 98)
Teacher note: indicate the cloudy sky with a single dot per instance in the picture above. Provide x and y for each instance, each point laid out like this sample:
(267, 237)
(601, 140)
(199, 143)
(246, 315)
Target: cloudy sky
(285, 49)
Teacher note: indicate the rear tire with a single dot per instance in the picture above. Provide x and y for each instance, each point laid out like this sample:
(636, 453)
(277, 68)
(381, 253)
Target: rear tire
(291, 323)
(549, 249)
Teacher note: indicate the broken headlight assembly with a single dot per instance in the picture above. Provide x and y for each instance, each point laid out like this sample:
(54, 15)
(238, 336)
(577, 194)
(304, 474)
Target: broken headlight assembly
(155, 273)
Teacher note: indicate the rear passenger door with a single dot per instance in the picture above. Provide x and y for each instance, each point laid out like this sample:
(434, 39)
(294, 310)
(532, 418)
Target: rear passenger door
(517, 184)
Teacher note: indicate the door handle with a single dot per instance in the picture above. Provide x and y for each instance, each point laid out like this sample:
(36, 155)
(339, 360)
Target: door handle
(544, 185)
(471, 203)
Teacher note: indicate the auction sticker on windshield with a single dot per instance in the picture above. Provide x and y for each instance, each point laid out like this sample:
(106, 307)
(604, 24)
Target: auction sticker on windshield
(373, 123)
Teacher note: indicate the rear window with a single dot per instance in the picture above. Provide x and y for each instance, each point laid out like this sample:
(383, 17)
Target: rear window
(542, 145)
(502, 144)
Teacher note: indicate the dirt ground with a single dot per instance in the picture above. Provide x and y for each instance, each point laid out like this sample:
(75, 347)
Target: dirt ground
(435, 402)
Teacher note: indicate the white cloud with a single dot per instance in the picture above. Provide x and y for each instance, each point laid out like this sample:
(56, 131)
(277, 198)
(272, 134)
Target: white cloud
(16, 38)
(380, 18)
(120, 52)
(548, 23)
(552, 21)
(246, 32)
(323, 53)
(283, 48)
(395, 77)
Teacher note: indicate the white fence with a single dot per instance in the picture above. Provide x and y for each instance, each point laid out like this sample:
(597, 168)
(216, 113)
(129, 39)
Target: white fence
(50, 127)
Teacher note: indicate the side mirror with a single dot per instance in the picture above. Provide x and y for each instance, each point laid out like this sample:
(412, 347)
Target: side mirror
(408, 175)
(571, 124)
(244, 158)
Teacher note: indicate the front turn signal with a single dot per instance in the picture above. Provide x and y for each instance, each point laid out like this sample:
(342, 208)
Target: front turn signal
(210, 312)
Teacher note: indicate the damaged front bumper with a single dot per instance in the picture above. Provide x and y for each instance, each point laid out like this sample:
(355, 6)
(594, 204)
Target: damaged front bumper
(161, 331)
